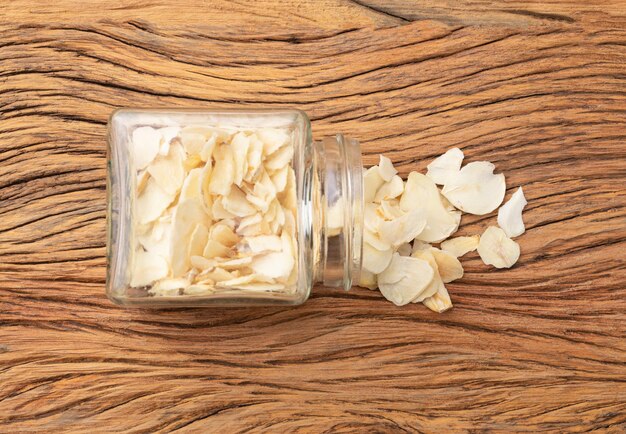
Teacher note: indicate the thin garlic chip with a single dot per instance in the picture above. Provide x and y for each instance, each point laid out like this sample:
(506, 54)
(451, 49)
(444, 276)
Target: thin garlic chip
(240, 144)
(198, 289)
(273, 139)
(421, 192)
(386, 169)
(390, 190)
(198, 240)
(390, 209)
(146, 142)
(157, 239)
(142, 180)
(440, 302)
(403, 229)
(168, 171)
(368, 280)
(167, 135)
(223, 174)
(223, 234)
(215, 249)
(459, 246)
(279, 179)
(450, 268)
(420, 245)
(192, 186)
(372, 181)
(202, 263)
(193, 138)
(510, 215)
(279, 159)
(236, 263)
(405, 279)
(219, 212)
(436, 282)
(147, 268)
(207, 149)
(371, 217)
(151, 203)
(335, 218)
(443, 168)
(169, 287)
(215, 275)
(374, 240)
(496, 249)
(276, 264)
(264, 243)
(187, 215)
(237, 204)
(254, 157)
(374, 260)
(475, 189)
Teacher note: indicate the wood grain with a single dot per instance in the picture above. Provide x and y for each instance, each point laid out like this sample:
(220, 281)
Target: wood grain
(539, 88)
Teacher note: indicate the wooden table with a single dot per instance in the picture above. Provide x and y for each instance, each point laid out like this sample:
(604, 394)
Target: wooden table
(538, 88)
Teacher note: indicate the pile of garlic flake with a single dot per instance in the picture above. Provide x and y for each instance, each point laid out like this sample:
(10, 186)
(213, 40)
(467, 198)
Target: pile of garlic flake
(398, 213)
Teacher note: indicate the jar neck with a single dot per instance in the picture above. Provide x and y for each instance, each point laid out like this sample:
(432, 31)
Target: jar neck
(337, 211)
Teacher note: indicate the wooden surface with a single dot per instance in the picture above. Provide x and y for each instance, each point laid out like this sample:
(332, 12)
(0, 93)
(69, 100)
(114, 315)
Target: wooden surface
(539, 88)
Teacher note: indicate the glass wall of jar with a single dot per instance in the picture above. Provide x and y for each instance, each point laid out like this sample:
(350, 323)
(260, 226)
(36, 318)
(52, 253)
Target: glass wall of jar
(229, 207)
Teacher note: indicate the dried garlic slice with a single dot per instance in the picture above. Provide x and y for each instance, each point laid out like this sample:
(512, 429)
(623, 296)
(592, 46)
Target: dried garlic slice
(224, 234)
(151, 203)
(240, 145)
(169, 287)
(187, 215)
(374, 260)
(496, 249)
(273, 139)
(440, 302)
(405, 279)
(168, 171)
(264, 243)
(386, 169)
(146, 142)
(223, 174)
(215, 249)
(237, 204)
(368, 280)
(459, 246)
(192, 186)
(444, 167)
(372, 181)
(422, 193)
(374, 240)
(475, 189)
(198, 240)
(279, 159)
(449, 267)
(510, 215)
(436, 282)
(276, 264)
(390, 190)
(147, 268)
(403, 229)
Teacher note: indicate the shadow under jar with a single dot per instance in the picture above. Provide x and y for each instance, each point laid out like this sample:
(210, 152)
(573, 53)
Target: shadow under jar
(229, 207)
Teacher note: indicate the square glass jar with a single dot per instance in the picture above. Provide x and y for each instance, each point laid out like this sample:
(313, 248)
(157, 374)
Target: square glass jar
(326, 206)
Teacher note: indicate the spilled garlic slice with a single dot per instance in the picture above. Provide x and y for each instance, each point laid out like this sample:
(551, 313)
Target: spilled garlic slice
(405, 279)
(510, 215)
(497, 249)
(460, 246)
(443, 168)
(475, 189)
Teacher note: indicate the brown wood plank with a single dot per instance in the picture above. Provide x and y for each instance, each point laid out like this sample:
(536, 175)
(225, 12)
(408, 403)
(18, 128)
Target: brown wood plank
(539, 88)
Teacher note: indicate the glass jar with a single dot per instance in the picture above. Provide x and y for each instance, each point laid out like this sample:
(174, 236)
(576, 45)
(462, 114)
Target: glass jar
(328, 208)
